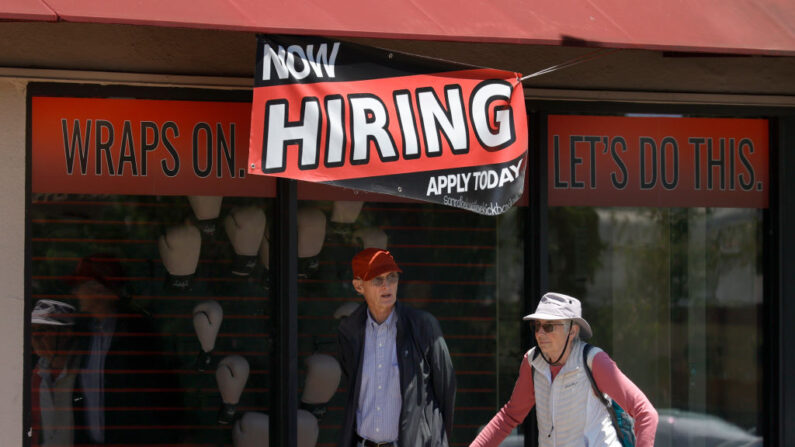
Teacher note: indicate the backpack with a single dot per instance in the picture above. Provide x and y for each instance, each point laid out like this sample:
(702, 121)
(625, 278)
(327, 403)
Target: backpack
(622, 421)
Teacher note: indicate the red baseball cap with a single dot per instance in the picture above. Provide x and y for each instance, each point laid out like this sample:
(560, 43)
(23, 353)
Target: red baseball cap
(101, 267)
(371, 262)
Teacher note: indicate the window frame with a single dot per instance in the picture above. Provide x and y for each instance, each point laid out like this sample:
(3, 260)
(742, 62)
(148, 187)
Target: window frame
(777, 419)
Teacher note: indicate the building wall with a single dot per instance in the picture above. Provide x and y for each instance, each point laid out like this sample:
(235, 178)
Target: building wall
(12, 246)
(110, 54)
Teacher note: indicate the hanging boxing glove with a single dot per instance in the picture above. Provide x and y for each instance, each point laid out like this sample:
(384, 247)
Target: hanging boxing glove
(207, 318)
(345, 211)
(245, 228)
(251, 430)
(231, 375)
(307, 429)
(311, 231)
(179, 249)
(311, 223)
(206, 209)
(371, 237)
(323, 374)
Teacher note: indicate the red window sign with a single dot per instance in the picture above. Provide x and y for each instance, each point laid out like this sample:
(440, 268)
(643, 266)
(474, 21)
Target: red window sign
(657, 161)
(135, 146)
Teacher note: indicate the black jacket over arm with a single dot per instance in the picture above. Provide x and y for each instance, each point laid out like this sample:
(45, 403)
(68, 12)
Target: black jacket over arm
(427, 379)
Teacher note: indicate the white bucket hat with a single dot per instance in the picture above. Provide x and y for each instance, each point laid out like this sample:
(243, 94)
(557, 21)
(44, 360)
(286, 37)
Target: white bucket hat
(556, 306)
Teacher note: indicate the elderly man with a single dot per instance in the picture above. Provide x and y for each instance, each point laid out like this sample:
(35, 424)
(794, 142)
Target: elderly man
(114, 328)
(401, 383)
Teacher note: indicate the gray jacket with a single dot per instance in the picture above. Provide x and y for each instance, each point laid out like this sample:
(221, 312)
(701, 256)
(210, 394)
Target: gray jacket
(427, 379)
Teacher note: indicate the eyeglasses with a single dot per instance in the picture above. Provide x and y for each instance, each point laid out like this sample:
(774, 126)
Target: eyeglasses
(547, 327)
(390, 279)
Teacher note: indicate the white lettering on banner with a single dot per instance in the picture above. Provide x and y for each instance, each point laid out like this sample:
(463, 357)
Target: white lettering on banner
(369, 120)
(489, 209)
(482, 97)
(279, 133)
(335, 131)
(369, 116)
(411, 142)
(452, 123)
(438, 183)
(481, 180)
(297, 62)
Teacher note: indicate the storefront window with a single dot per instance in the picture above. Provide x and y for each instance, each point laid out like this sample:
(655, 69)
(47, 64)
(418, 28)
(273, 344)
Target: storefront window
(656, 223)
(146, 328)
(149, 269)
(463, 268)
(674, 295)
(143, 325)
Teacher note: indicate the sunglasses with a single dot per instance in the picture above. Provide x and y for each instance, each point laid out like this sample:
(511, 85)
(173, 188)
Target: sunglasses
(390, 279)
(547, 327)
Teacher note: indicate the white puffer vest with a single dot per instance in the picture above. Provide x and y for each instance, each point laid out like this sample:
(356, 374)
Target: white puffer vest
(568, 411)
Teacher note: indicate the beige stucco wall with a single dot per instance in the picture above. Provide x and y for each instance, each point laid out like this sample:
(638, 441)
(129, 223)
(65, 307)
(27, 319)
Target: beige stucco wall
(12, 247)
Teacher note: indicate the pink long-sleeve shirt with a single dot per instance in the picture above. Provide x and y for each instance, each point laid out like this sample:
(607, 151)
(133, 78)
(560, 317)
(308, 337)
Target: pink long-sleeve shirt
(608, 378)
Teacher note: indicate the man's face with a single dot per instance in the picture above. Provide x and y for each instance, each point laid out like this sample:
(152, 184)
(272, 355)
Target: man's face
(380, 292)
(50, 341)
(95, 298)
(552, 343)
(43, 339)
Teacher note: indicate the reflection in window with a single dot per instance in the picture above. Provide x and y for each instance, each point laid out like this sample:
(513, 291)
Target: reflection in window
(150, 318)
(675, 296)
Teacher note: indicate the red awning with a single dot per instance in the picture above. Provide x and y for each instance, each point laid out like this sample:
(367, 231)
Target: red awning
(27, 10)
(717, 26)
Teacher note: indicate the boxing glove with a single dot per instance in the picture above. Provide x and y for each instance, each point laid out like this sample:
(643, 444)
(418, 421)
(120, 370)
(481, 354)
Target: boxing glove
(311, 227)
(311, 231)
(323, 374)
(206, 209)
(345, 211)
(251, 430)
(345, 310)
(231, 375)
(245, 228)
(179, 250)
(371, 237)
(207, 318)
(307, 429)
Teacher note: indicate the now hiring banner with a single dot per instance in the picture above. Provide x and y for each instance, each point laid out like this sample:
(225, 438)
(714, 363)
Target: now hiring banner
(363, 118)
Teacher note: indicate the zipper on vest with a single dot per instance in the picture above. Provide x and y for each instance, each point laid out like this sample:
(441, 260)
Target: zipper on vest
(550, 432)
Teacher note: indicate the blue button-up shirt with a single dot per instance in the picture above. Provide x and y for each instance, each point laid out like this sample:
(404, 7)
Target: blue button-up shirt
(378, 415)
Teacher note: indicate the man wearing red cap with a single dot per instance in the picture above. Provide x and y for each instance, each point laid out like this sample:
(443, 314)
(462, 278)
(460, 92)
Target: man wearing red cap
(113, 328)
(401, 383)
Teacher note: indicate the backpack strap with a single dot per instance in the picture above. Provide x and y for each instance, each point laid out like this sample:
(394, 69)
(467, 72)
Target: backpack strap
(536, 351)
(530, 359)
(587, 361)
